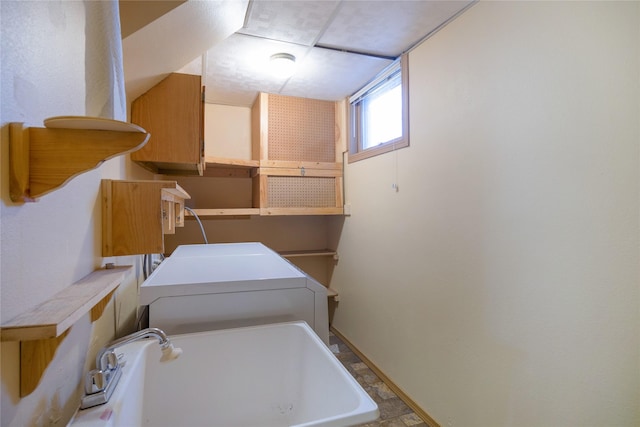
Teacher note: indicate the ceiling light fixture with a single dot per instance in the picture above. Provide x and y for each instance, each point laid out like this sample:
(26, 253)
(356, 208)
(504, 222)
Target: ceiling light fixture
(282, 65)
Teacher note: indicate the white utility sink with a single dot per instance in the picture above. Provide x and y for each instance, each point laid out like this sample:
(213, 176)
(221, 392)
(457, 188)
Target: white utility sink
(262, 376)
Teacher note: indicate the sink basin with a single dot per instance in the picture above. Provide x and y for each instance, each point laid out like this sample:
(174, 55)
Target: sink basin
(269, 375)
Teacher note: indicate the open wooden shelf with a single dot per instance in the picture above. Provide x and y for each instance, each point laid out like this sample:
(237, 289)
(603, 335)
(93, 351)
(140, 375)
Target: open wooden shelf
(54, 316)
(219, 167)
(222, 213)
(312, 252)
(224, 162)
(44, 159)
(42, 329)
(331, 293)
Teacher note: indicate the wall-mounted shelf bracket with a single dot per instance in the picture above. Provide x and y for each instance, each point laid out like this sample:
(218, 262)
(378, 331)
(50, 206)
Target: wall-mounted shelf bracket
(44, 159)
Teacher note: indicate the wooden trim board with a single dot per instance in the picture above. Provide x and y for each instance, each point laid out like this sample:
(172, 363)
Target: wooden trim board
(385, 379)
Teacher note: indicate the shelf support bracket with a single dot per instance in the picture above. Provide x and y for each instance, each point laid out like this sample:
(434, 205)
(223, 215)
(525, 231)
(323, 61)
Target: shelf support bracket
(44, 159)
(35, 357)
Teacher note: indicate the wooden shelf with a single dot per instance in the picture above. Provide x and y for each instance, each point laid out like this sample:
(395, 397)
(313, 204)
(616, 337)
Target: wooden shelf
(267, 164)
(223, 162)
(219, 167)
(331, 293)
(312, 252)
(223, 213)
(174, 194)
(54, 316)
(41, 330)
(44, 159)
(301, 211)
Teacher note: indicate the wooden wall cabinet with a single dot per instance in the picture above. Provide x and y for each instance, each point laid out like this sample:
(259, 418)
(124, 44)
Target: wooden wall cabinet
(137, 214)
(173, 113)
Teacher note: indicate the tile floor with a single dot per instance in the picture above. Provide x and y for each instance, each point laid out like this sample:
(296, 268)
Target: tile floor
(393, 411)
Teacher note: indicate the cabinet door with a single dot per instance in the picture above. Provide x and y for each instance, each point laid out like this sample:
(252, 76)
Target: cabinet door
(291, 129)
(172, 112)
(137, 214)
(299, 192)
(131, 218)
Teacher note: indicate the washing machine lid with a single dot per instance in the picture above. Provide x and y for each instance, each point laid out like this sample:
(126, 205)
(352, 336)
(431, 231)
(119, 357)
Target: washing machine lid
(218, 249)
(220, 268)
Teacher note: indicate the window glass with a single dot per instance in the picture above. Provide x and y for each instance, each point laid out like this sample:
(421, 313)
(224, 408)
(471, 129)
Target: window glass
(379, 115)
(382, 114)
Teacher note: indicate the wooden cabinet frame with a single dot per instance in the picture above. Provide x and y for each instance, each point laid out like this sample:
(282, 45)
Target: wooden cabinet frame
(264, 168)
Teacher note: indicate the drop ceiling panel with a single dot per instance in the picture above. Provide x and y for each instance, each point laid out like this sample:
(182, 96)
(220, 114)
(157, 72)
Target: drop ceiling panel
(235, 39)
(332, 75)
(237, 69)
(298, 22)
(386, 28)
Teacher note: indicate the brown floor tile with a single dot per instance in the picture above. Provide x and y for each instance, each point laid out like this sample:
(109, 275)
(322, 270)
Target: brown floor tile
(412, 420)
(393, 411)
(395, 422)
(391, 408)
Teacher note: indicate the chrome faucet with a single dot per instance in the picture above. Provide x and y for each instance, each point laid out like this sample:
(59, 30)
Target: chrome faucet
(101, 382)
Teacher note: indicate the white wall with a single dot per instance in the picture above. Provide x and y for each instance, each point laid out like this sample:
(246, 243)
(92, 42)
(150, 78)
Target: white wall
(500, 285)
(48, 70)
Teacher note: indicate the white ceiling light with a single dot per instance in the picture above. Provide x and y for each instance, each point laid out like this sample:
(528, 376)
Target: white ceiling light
(282, 65)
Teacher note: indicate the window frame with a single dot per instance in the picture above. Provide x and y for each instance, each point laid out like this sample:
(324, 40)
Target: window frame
(356, 152)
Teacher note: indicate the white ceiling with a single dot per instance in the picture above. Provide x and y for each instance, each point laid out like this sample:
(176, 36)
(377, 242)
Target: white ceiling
(339, 45)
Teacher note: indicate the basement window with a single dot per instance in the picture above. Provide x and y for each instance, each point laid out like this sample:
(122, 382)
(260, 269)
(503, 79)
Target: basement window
(379, 114)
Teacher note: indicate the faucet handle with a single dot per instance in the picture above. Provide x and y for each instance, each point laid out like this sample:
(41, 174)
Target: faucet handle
(95, 381)
(110, 361)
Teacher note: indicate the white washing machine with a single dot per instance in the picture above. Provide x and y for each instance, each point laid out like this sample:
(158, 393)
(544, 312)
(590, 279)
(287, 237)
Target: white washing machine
(227, 285)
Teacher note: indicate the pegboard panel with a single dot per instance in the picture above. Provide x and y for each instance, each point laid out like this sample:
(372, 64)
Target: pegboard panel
(297, 191)
(301, 129)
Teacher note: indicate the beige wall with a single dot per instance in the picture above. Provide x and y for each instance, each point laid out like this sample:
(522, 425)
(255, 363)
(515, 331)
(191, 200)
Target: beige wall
(227, 132)
(48, 245)
(500, 285)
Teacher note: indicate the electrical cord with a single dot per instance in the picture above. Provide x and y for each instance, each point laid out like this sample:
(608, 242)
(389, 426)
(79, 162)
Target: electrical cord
(204, 235)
